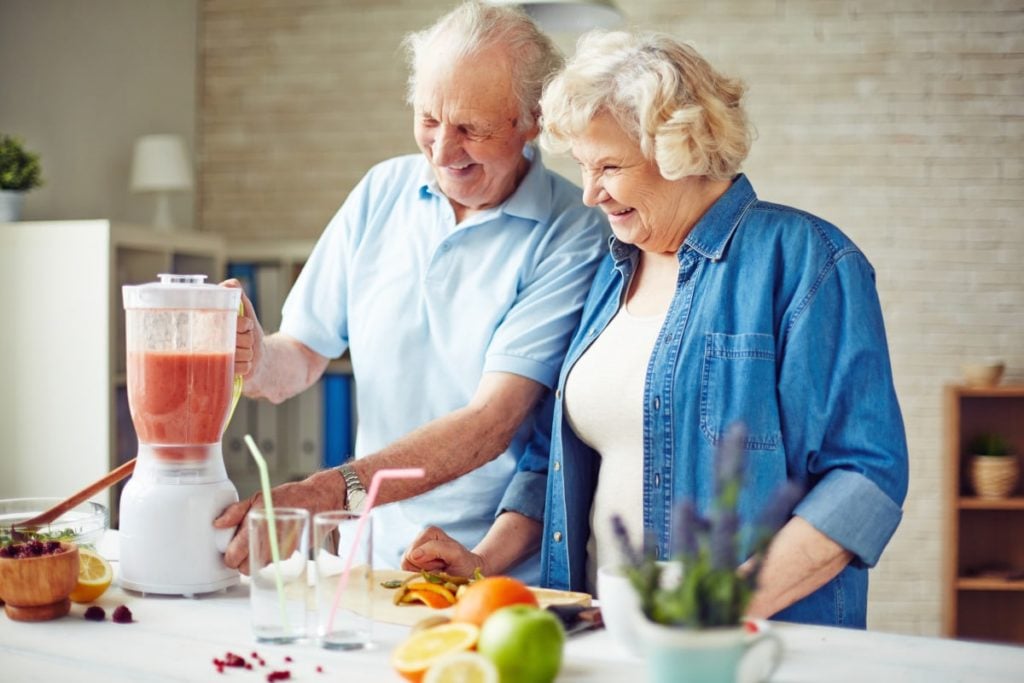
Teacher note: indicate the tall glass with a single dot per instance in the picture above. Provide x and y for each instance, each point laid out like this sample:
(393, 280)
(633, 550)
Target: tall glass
(345, 620)
(279, 592)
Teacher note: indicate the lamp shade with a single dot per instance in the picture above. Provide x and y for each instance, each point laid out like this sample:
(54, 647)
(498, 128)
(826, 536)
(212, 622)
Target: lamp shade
(569, 15)
(160, 163)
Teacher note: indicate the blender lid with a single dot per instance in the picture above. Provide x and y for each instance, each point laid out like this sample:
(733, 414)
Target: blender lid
(181, 291)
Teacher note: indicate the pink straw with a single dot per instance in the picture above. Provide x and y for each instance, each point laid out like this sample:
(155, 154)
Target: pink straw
(371, 496)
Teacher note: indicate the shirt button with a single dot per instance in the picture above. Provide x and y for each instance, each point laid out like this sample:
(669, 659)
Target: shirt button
(657, 480)
(557, 536)
(558, 394)
(558, 466)
(657, 403)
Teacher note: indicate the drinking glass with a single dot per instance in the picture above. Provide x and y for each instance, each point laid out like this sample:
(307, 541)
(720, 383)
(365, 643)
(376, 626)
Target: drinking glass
(279, 592)
(341, 541)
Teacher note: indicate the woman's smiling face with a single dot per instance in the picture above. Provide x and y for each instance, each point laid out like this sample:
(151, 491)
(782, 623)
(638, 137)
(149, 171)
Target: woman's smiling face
(643, 208)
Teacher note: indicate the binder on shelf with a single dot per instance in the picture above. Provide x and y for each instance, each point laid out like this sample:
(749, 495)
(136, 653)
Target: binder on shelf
(264, 429)
(245, 273)
(303, 415)
(337, 419)
(270, 290)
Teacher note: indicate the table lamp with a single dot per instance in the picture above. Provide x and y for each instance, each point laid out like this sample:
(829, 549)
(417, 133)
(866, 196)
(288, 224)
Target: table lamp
(160, 164)
(569, 15)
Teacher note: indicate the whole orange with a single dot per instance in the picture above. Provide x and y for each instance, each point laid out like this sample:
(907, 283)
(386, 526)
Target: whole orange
(484, 597)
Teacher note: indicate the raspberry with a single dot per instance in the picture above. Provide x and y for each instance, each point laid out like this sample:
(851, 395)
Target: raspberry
(95, 613)
(122, 615)
(231, 659)
(33, 548)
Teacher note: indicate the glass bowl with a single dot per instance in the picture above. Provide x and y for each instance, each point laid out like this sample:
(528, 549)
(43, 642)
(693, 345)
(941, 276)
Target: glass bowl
(84, 524)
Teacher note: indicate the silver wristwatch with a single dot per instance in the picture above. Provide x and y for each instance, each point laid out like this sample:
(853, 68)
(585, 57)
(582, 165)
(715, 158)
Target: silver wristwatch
(355, 494)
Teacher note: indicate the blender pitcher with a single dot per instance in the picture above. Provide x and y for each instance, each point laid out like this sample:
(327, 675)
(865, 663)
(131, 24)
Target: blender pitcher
(181, 352)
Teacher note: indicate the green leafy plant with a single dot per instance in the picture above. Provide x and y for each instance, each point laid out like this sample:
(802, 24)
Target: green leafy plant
(19, 169)
(709, 588)
(990, 444)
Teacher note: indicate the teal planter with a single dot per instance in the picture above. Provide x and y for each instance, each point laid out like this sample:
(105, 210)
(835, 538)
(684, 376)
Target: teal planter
(714, 655)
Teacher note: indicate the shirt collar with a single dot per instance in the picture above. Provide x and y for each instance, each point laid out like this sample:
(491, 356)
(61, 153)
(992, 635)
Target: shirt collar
(715, 228)
(530, 200)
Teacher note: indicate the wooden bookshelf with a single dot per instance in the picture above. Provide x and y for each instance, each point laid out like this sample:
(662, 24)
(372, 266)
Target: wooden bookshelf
(984, 568)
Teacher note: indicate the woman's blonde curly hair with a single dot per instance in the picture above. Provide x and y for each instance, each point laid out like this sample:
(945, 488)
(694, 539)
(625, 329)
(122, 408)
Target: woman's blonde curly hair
(687, 117)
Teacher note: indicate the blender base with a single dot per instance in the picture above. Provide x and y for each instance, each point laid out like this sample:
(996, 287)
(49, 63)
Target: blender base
(168, 543)
(178, 589)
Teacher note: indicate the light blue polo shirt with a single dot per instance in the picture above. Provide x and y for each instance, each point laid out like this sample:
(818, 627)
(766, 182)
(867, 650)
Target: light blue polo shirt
(427, 306)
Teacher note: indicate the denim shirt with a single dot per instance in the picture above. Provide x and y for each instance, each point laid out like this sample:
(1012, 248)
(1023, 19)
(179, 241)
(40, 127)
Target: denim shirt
(775, 322)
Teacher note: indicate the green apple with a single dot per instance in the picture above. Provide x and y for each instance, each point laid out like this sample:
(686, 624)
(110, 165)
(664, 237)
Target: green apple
(524, 642)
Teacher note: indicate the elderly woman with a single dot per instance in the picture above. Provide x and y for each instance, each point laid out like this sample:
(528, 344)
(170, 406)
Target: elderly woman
(711, 307)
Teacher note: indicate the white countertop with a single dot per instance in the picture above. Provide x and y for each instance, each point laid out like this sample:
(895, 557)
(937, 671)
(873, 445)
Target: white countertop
(177, 639)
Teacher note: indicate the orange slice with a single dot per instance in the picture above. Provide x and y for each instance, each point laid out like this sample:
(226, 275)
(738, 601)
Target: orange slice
(428, 598)
(464, 667)
(432, 594)
(422, 649)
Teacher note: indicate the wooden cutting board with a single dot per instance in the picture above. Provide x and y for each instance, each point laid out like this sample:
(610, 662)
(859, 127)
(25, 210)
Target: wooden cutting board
(385, 610)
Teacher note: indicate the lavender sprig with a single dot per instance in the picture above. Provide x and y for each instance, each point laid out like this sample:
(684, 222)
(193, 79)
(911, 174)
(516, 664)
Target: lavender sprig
(711, 592)
(687, 525)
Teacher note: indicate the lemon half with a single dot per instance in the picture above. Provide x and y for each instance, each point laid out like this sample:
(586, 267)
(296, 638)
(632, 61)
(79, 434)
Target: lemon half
(94, 576)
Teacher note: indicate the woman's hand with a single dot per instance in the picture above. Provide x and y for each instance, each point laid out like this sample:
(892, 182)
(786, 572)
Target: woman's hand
(434, 550)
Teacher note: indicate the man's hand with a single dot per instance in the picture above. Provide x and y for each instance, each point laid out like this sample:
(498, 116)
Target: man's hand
(434, 550)
(248, 336)
(317, 493)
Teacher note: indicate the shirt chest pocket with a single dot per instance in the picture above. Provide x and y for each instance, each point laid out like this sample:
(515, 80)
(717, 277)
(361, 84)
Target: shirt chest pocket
(738, 384)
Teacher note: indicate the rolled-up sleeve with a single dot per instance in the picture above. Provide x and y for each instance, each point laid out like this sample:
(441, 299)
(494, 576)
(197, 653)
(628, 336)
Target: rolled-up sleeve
(851, 510)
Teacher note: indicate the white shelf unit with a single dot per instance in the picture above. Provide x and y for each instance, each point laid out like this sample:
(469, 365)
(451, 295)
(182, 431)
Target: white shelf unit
(63, 354)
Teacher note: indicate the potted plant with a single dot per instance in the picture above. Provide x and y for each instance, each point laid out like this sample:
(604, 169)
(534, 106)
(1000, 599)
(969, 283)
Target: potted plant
(694, 605)
(994, 466)
(20, 172)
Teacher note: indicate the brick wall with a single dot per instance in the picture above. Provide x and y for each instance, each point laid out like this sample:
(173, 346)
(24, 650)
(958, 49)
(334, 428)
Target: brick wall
(902, 126)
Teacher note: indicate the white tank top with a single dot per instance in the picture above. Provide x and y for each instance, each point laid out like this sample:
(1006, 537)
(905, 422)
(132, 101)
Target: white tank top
(604, 406)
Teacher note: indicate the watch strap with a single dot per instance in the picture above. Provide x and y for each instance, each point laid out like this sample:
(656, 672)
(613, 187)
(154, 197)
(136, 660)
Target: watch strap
(355, 493)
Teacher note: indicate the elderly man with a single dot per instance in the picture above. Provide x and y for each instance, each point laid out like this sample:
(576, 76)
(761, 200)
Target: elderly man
(456, 278)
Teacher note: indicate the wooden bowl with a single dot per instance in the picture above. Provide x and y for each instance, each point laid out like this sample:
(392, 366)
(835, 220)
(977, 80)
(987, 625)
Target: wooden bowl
(983, 374)
(37, 588)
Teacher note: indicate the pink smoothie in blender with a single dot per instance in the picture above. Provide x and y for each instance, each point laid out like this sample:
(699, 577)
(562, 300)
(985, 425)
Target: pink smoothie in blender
(179, 400)
(180, 338)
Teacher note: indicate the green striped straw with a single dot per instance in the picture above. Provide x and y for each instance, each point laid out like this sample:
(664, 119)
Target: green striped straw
(268, 505)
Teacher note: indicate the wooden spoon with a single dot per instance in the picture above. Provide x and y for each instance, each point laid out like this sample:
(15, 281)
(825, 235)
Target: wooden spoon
(107, 480)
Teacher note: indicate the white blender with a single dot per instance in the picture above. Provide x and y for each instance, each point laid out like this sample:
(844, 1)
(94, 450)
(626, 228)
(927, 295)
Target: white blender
(181, 352)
